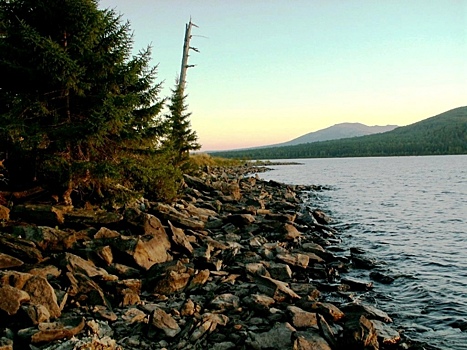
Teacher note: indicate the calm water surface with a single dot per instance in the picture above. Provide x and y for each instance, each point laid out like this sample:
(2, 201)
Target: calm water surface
(410, 213)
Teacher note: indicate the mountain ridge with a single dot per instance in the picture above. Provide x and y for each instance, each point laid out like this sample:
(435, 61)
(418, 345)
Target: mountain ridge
(336, 132)
(442, 134)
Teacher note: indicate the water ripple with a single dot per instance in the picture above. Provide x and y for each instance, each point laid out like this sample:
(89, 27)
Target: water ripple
(408, 212)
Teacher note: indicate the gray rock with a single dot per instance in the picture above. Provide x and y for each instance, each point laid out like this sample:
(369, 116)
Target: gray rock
(279, 337)
(162, 321)
(225, 302)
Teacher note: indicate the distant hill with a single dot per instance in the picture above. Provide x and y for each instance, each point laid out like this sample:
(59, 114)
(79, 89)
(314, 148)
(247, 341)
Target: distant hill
(338, 131)
(445, 133)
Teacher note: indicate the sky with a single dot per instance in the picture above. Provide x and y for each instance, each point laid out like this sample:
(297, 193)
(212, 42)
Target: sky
(269, 71)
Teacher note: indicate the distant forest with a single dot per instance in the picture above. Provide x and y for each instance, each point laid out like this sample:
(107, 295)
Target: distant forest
(443, 134)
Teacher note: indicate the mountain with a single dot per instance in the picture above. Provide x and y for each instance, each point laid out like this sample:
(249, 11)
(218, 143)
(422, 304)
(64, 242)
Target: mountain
(338, 131)
(445, 133)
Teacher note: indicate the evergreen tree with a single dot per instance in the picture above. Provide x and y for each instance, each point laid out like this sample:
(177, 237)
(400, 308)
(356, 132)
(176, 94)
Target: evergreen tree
(181, 138)
(77, 111)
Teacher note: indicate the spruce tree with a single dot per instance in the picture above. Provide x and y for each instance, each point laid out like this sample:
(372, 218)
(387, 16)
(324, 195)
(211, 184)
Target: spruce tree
(181, 138)
(77, 110)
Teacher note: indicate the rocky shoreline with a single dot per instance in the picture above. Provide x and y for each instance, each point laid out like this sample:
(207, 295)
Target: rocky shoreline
(235, 263)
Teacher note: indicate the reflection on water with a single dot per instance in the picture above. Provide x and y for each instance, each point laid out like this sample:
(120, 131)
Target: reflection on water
(410, 213)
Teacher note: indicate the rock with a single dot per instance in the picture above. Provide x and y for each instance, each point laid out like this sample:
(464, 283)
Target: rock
(75, 264)
(241, 219)
(382, 278)
(169, 213)
(274, 288)
(46, 271)
(199, 279)
(42, 293)
(179, 238)
(105, 253)
(50, 331)
(100, 328)
(20, 248)
(386, 335)
(6, 344)
(48, 238)
(87, 217)
(279, 337)
(282, 217)
(14, 278)
(4, 213)
(197, 183)
(309, 341)
(145, 251)
(367, 310)
(129, 297)
(36, 313)
(162, 321)
(103, 312)
(133, 315)
(359, 333)
(84, 289)
(356, 250)
(124, 271)
(259, 302)
(11, 299)
(361, 262)
(188, 308)
(328, 310)
(105, 233)
(231, 190)
(41, 214)
(305, 290)
(208, 324)
(315, 258)
(298, 260)
(301, 318)
(357, 285)
(227, 345)
(326, 331)
(321, 217)
(259, 269)
(225, 302)
(8, 261)
(172, 282)
(312, 247)
(291, 232)
(203, 214)
(281, 272)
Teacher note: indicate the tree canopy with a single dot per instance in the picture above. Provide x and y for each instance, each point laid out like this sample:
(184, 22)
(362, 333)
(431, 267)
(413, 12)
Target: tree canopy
(78, 112)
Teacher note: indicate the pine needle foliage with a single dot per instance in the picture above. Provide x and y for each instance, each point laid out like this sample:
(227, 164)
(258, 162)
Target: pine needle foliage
(78, 112)
(181, 138)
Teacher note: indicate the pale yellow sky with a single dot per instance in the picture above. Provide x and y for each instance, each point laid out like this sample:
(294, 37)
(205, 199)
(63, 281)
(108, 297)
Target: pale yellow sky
(271, 71)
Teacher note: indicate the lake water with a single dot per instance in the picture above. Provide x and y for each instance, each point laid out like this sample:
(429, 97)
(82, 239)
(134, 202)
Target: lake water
(410, 213)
